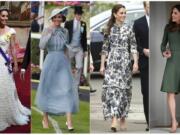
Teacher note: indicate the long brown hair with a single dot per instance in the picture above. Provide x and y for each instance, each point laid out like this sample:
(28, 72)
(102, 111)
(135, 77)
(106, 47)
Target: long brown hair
(173, 26)
(3, 8)
(112, 20)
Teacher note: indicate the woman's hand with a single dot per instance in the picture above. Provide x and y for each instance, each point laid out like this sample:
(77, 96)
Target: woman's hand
(102, 67)
(102, 70)
(146, 52)
(85, 54)
(135, 67)
(50, 30)
(91, 68)
(22, 74)
(167, 54)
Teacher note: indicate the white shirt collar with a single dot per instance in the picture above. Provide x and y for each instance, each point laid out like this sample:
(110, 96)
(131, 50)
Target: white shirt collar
(76, 24)
(147, 19)
(76, 21)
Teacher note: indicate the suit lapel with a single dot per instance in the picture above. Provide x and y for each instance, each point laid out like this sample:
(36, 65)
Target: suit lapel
(71, 26)
(145, 23)
(71, 29)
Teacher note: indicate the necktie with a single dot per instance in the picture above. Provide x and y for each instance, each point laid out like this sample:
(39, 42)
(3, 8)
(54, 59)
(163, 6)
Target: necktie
(77, 26)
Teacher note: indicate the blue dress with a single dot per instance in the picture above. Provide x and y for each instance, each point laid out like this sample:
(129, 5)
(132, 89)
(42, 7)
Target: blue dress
(56, 93)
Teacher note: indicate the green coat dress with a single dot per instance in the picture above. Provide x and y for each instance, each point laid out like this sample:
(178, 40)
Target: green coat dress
(171, 78)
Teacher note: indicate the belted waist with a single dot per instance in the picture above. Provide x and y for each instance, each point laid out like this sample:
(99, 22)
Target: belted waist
(175, 50)
(119, 48)
(55, 51)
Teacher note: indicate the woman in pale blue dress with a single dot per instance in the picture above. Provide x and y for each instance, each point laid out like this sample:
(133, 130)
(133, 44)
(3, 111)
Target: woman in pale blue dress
(56, 94)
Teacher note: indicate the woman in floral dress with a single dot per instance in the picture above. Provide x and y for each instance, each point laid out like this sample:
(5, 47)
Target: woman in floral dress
(118, 45)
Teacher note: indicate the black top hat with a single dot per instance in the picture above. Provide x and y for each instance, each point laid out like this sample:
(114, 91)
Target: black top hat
(78, 10)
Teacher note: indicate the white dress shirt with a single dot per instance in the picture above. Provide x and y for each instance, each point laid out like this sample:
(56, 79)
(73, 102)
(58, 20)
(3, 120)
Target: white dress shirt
(147, 19)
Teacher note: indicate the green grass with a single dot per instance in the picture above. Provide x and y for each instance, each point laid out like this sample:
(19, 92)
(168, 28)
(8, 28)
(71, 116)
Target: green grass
(80, 120)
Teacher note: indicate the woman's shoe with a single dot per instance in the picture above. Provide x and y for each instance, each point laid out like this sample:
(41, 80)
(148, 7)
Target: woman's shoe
(113, 126)
(69, 127)
(45, 125)
(113, 129)
(123, 128)
(123, 124)
(174, 130)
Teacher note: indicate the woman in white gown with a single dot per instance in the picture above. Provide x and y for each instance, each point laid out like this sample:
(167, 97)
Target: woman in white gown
(12, 112)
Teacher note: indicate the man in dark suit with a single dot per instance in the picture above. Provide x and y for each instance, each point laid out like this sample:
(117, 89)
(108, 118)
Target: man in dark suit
(77, 47)
(141, 29)
(26, 59)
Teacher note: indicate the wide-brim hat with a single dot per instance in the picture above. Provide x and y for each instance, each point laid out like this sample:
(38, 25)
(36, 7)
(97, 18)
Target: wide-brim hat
(57, 11)
(78, 10)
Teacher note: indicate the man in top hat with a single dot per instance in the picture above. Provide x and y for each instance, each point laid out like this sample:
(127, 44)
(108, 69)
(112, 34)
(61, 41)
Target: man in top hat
(77, 42)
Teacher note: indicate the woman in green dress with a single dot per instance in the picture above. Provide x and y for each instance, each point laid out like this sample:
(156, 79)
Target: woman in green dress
(171, 78)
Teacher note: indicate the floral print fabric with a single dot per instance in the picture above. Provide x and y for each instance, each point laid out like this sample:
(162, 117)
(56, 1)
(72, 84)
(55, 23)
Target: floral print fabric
(116, 94)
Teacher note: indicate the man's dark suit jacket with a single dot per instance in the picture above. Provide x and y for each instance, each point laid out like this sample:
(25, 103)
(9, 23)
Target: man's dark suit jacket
(26, 59)
(142, 37)
(69, 27)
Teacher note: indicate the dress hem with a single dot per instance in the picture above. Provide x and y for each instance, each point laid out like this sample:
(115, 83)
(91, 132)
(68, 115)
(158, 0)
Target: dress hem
(176, 92)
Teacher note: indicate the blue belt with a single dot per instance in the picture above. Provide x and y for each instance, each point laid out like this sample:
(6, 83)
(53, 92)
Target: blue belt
(7, 59)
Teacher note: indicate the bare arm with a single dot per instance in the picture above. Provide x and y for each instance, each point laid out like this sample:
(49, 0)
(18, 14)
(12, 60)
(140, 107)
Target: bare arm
(135, 58)
(13, 51)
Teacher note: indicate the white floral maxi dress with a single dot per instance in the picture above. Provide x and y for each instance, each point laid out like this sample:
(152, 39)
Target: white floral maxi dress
(117, 85)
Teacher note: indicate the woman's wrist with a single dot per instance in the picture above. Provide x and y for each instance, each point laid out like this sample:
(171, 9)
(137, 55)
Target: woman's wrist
(15, 64)
(135, 62)
(102, 65)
